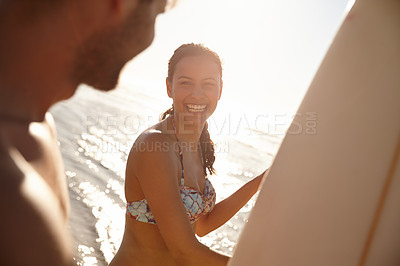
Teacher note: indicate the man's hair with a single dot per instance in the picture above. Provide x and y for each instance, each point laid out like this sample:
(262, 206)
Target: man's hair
(29, 10)
(4, 5)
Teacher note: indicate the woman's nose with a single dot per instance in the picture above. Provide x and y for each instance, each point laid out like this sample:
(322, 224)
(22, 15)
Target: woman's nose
(198, 91)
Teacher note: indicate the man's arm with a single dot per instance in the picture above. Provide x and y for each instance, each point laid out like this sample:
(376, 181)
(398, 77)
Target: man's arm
(31, 226)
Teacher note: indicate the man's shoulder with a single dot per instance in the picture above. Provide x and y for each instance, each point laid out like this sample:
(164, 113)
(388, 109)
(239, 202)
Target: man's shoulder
(32, 230)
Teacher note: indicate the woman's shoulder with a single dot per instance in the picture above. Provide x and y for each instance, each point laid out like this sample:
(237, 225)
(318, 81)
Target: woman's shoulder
(154, 139)
(154, 146)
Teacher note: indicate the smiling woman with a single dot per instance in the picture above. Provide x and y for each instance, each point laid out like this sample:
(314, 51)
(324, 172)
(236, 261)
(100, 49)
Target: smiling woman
(196, 60)
(169, 197)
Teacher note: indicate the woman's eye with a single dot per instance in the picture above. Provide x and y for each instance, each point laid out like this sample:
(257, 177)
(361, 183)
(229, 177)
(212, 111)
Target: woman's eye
(209, 85)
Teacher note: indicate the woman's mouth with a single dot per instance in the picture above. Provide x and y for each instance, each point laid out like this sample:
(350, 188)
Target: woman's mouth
(196, 108)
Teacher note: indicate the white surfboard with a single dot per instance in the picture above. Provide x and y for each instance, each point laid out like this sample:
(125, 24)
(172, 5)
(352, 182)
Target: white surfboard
(332, 196)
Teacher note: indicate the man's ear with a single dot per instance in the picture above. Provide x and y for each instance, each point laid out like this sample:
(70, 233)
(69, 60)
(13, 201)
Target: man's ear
(116, 5)
(123, 7)
(169, 88)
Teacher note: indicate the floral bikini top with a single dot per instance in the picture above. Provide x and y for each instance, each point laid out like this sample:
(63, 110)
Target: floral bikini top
(195, 203)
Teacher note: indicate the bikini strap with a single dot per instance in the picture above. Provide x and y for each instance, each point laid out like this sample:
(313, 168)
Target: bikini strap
(180, 151)
(201, 155)
(181, 158)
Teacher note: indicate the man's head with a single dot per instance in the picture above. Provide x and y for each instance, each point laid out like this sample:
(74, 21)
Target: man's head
(95, 38)
(101, 57)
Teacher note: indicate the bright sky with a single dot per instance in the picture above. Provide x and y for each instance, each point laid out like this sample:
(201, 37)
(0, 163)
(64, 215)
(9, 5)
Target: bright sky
(271, 49)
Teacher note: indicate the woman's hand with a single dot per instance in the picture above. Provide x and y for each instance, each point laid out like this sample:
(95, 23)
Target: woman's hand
(228, 207)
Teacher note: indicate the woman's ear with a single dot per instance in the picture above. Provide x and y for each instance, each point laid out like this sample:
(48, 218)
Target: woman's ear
(220, 90)
(169, 88)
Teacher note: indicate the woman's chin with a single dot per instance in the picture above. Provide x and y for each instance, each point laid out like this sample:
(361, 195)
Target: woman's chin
(195, 118)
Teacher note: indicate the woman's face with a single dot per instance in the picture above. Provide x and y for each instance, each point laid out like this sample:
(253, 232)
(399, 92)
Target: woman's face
(195, 88)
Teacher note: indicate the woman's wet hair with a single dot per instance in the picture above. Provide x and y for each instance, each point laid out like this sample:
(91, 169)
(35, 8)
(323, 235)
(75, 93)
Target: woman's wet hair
(191, 49)
(206, 144)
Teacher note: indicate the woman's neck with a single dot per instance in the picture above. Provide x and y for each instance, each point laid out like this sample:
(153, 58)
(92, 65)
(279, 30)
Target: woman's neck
(187, 132)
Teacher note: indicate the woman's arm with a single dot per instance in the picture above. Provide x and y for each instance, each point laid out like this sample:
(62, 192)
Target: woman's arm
(227, 208)
(157, 172)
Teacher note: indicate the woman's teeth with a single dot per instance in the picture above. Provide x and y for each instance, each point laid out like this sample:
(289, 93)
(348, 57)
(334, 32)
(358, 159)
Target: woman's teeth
(196, 108)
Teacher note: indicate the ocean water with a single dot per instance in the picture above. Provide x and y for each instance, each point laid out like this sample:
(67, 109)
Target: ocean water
(96, 131)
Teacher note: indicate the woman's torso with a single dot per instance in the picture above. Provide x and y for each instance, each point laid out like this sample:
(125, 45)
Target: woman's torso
(142, 242)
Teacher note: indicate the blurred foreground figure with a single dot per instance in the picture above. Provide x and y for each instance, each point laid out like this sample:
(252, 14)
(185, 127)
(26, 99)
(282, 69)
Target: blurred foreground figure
(333, 192)
(47, 49)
